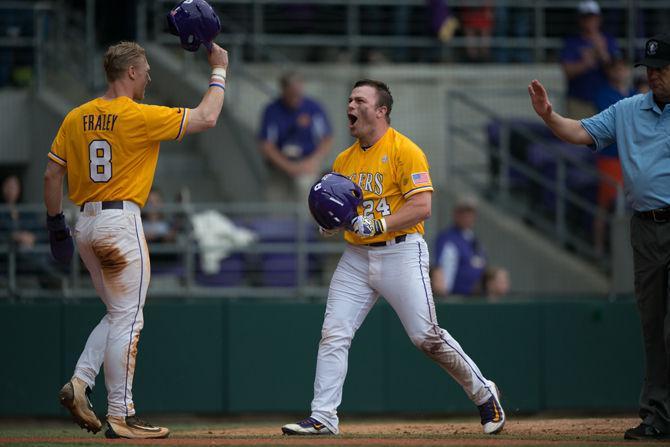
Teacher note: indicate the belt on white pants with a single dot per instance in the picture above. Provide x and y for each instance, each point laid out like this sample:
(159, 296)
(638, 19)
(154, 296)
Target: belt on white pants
(95, 208)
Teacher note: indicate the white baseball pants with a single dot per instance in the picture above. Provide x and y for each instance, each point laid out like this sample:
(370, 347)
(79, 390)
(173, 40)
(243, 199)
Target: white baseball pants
(399, 272)
(111, 243)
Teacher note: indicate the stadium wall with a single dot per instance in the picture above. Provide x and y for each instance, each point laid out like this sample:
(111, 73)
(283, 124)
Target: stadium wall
(245, 356)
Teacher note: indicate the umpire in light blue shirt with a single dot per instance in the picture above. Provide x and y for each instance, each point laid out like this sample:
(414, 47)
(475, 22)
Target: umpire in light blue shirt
(640, 125)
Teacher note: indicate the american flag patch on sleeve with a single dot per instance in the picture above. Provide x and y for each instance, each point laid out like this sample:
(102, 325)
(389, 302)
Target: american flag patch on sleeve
(420, 178)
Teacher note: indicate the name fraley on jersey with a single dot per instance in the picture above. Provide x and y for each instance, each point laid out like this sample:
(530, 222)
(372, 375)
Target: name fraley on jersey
(369, 182)
(102, 122)
(122, 138)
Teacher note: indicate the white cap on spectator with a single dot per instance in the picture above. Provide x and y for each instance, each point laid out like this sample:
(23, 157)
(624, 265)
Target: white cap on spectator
(589, 7)
(466, 202)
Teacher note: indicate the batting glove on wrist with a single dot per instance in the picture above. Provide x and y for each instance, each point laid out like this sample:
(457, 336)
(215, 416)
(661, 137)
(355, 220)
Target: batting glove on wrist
(365, 226)
(328, 233)
(60, 239)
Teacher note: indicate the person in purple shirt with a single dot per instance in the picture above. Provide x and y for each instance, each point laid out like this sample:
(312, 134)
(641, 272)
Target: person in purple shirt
(295, 137)
(460, 258)
(583, 59)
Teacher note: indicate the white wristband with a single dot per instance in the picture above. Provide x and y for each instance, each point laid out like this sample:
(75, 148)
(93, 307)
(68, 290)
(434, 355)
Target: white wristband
(219, 71)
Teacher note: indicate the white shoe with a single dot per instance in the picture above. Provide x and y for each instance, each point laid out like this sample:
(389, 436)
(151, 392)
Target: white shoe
(132, 427)
(74, 397)
(491, 412)
(309, 426)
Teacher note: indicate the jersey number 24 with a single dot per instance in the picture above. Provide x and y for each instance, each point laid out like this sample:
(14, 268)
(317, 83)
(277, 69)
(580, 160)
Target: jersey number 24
(382, 207)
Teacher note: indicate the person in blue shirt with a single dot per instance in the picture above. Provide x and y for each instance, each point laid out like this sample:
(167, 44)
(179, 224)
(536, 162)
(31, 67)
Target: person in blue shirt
(295, 137)
(583, 60)
(640, 125)
(460, 258)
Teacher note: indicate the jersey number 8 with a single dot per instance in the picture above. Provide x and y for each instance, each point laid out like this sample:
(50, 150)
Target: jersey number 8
(100, 156)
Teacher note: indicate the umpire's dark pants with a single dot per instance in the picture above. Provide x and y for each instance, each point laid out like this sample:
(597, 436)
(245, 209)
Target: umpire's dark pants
(651, 258)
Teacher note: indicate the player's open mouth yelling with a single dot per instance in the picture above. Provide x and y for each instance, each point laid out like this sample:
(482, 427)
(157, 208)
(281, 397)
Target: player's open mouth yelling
(352, 119)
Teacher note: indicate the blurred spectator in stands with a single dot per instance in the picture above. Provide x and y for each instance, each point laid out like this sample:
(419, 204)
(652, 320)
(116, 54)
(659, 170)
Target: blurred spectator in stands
(477, 23)
(515, 23)
(295, 137)
(618, 87)
(16, 61)
(460, 258)
(495, 283)
(16, 227)
(22, 231)
(386, 20)
(651, 20)
(584, 58)
(443, 22)
(181, 222)
(156, 227)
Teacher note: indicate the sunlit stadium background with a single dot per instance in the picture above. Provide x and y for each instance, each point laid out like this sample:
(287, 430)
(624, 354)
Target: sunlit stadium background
(244, 337)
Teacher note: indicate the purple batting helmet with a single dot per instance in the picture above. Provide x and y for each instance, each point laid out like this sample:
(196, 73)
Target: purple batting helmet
(333, 201)
(195, 22)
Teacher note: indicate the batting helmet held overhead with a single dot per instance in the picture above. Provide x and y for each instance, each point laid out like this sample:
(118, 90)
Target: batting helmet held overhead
(333, 201)
(195, 22)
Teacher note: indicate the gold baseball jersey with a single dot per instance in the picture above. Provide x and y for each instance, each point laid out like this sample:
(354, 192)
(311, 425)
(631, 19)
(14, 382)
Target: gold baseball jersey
(389, 172)
(110, 148)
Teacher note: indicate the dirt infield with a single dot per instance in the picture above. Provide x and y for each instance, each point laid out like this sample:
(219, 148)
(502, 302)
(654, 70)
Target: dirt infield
(519, 432)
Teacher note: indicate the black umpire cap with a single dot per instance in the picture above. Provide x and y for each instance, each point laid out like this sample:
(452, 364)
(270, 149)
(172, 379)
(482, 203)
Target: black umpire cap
(656, 52)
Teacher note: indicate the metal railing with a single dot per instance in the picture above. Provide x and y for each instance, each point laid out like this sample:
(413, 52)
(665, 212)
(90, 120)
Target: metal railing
(472, 158)
(267, 29)
(15, 39)
(62, 41)
(255, 270)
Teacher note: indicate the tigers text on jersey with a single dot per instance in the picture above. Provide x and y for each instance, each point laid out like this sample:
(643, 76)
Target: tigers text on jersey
(389, 172)
(110, 148)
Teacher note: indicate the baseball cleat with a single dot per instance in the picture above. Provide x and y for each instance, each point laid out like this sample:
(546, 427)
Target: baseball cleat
(74, 397)
(309, 426)
(491, 412)
(644, 432)
(132, 427)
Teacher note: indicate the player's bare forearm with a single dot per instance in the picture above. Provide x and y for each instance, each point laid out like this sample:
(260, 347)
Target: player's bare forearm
(207, 113)
(53, 187)
(568, 130)
(415, 210)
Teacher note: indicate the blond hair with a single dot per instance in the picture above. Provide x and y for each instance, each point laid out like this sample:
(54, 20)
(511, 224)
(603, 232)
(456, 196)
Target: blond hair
(121, 56)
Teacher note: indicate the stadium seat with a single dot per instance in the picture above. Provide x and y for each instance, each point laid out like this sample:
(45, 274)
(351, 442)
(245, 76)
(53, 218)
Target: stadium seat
(231, 272)
(280, 269)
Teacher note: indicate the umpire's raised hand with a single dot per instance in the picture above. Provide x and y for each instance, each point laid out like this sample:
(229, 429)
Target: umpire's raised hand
(540, 99)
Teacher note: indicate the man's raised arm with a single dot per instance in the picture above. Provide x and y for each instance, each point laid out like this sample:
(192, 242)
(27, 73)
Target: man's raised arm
(566, 129)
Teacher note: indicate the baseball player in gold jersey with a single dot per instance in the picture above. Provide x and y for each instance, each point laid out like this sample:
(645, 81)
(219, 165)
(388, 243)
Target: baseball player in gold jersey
(386, 255)
(108, 148)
